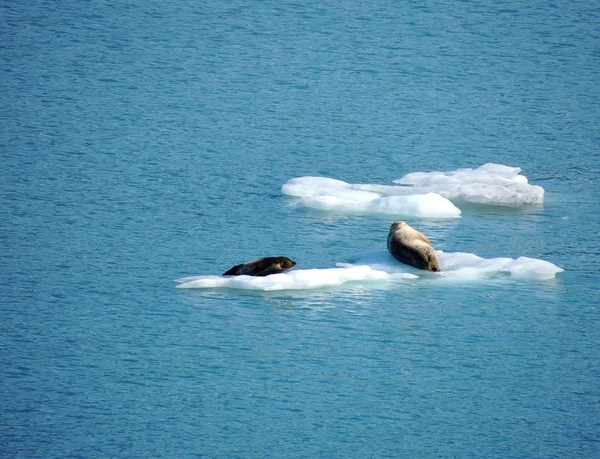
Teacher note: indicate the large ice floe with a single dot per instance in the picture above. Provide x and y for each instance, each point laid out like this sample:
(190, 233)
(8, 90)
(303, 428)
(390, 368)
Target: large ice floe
(300, 279)
(420, 194)
(380, 267)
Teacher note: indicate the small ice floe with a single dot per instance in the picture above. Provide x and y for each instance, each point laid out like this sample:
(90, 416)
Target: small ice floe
(329, 194)
(490, 184)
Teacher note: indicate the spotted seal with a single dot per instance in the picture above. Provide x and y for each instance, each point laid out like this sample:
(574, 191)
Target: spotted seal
(411, 247)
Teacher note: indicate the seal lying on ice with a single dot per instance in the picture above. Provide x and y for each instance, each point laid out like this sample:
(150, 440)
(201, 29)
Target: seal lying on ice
(262, 267)
(411, 247)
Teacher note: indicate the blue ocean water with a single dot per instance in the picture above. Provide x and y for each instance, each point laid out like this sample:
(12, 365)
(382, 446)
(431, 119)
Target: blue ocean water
(141, 142)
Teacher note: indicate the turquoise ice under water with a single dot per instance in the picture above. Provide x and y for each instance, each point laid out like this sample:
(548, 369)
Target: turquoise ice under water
(143, 142)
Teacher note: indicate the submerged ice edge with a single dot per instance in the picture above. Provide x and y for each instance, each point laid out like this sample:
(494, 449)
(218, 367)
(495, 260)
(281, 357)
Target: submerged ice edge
(380, 266)
(422, 194)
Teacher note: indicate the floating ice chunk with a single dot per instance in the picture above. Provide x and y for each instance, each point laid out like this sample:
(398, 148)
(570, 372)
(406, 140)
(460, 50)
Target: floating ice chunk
(470, 265)
(329, 194)
(418, 205)
(531, 268)
(292, 280)
(305, 187)
(491, 184)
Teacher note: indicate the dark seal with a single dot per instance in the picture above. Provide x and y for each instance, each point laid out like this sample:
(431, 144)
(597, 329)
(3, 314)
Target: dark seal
(411, 247)
(262, 267)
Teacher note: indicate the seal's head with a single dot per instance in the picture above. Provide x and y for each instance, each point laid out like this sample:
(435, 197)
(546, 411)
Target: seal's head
(287, 263)
(397, 225)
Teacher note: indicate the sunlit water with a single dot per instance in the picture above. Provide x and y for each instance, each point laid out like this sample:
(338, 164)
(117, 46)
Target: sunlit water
(147, 142)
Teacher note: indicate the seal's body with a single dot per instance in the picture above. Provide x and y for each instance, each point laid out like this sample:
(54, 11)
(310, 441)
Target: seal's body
(411, 247)
(262, 267)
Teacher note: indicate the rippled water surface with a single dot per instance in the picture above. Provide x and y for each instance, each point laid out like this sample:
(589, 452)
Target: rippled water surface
(142, 142)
